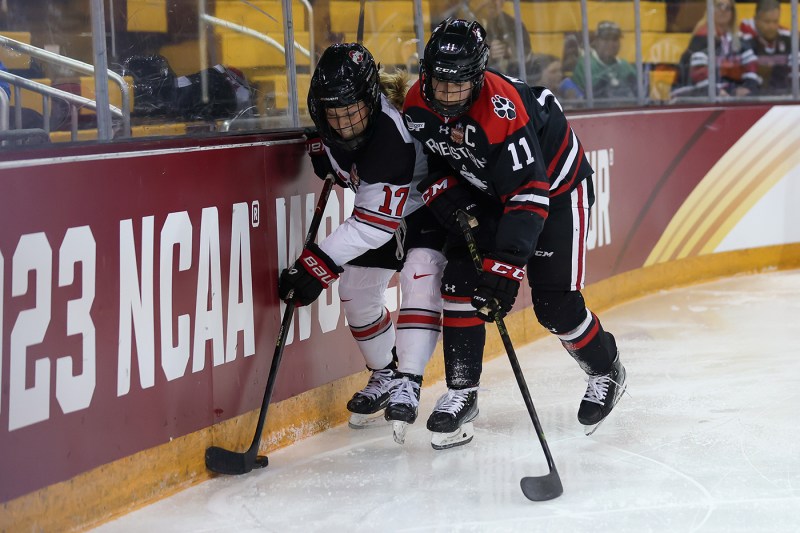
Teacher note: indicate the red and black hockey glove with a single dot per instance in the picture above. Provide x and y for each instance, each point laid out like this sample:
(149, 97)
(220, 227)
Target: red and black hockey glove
(444, 197)
(497, 288)
(319, 157)
(311, 273)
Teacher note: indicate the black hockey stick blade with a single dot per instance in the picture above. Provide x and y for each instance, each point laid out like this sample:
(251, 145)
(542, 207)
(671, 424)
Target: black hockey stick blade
(542, 488)
(222, 461)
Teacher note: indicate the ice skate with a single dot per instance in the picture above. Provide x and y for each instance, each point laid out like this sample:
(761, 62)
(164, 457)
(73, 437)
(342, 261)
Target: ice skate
(451, 419)
(367, 404)
(403, 404)
(602, 394)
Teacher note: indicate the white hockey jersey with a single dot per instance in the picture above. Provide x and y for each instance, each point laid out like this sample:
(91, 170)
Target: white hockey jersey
(383, 174)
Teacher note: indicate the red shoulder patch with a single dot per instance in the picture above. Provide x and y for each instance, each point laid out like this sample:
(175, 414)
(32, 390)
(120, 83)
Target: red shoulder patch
(499, 109)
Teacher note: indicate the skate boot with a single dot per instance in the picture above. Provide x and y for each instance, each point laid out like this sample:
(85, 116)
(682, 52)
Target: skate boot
(451, 419)
(602, 394)
(366, 405)
(403, 404)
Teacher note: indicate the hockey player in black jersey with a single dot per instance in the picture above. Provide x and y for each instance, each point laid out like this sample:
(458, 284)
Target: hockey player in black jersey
(505, 153)
(365, 146)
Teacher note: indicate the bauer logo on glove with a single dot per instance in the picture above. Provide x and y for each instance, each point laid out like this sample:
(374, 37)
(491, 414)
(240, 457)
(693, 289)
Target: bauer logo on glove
(304, 281)
(315, 267)
(315, 147)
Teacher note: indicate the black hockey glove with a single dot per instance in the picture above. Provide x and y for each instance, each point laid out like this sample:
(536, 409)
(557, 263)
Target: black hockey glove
(497, 288)
(444, 197)
(319, 157)
(311, 273)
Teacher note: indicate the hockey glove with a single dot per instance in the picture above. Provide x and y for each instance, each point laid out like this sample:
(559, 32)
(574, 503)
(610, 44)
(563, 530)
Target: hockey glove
(497, 288)
(311, 273)
(444, 197)
(319, 157)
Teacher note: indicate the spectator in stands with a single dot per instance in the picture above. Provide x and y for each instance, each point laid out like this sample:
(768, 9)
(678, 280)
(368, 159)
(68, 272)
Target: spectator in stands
(772, 46)
(545, 70)
(736, 64)
(501, 34)
(612, 77)
(570, 54)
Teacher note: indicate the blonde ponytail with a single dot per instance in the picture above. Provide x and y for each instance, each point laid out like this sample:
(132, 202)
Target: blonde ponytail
(395, 86)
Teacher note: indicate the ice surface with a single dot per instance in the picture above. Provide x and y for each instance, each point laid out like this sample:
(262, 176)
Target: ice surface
(707, 440)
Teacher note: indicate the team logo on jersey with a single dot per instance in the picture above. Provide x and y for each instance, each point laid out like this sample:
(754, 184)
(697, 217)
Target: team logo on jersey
(457, 134)
(357, 56)
(503, 107)
(353, 181)
(473, 179)
(413, 126)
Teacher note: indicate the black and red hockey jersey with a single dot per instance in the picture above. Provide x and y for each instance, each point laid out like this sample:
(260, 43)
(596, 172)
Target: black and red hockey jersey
(383, 175)
(514, 144)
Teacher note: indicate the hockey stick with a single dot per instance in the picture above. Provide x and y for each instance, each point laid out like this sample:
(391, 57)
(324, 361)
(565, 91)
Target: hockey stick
(360, 30)
(224, 461)
(541, 488)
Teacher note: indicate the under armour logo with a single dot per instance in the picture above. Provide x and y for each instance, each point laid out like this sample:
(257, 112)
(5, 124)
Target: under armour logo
(449, 288)
(444, 129)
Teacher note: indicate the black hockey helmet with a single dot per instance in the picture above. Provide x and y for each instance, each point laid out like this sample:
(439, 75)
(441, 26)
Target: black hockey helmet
(345, 75)
(457, 51)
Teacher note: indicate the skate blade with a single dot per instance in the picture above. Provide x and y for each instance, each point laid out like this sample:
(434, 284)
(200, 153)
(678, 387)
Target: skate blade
(459, 437)
(589, 430)
(359, 421)
(399, 429)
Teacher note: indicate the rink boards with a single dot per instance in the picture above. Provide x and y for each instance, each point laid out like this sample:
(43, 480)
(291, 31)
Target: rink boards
(139, 306)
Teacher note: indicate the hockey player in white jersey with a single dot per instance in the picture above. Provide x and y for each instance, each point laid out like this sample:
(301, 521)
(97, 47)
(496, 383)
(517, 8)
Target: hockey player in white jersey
(364, 143)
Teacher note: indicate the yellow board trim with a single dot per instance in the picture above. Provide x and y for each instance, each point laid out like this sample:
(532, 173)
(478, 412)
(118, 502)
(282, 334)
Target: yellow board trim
(115, 489)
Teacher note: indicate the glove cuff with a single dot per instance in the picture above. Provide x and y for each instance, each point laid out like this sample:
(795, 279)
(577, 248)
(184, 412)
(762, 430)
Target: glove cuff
(433, 189)
(503, 269)
(315, 147)
(319, 265)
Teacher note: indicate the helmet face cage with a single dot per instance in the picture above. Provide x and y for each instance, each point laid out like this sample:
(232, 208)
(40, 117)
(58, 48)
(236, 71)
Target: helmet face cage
(345, 75)
(456, 52)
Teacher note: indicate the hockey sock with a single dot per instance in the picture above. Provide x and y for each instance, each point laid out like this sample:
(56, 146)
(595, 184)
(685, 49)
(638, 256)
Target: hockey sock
(592, 347)
(375, 340)
(463, 338)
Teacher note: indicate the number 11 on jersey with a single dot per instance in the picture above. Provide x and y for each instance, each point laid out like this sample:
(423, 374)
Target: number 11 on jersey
(523, 142)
